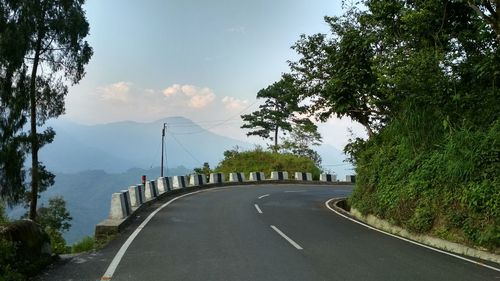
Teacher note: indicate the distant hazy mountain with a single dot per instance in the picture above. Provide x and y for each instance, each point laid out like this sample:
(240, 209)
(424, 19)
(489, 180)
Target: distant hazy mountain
(88, 196)
(116, 147)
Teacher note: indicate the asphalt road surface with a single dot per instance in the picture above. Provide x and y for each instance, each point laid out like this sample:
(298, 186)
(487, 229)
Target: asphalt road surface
(267, 232)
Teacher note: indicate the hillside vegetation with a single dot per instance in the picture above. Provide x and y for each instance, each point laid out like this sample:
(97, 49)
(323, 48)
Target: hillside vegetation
(422, 78)
(266, 161)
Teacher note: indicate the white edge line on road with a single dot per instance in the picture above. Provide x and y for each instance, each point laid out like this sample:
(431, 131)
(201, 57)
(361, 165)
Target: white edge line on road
(297, 246)
(258, 209)
(408, 240)
(262, 196)
(118, 257)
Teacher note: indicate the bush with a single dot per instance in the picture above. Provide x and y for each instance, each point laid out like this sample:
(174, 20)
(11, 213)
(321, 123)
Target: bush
(448, 183)
(265, 161)
(9, 263)
(86, 244)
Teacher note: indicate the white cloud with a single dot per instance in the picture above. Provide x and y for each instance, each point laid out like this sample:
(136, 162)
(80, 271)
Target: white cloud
(197, 97)
(116, 92)
(234, 104)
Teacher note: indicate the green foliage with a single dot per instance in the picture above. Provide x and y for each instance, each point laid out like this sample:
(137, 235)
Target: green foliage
(422, 77)
(86, 244)
(54, 219)
(277, 113)
(36, 34)
(303, 136)
(9, 263)
(55, 216)
(259, 160)
(57, 242)
(454, 186)
(18, 262)
(205, 170)
(3, 216)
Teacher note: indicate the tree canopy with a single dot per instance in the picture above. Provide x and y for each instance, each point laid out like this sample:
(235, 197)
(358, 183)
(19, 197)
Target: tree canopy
(422, 78)
(36, 34)
(277, 113)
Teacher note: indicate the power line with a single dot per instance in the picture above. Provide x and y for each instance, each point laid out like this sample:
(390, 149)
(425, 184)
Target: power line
(185, 149)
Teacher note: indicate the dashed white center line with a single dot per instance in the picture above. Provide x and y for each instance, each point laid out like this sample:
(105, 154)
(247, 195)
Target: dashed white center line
(297, 246)
(258, 209)
(262, 196)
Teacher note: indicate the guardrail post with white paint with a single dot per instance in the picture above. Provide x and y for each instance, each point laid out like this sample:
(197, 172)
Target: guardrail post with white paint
(216, 178)
(136, 193)
(350, 178)
(164, 184)
(197, 180)
(279, 176)
(120, 205)
(257, 176)
(236, 177)
(179, 182)
(150, 191)
(303, 176)
(328, 177)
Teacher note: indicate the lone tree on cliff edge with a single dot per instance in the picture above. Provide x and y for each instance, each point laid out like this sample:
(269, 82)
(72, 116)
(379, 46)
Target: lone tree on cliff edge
(55, 32)
(277, 112)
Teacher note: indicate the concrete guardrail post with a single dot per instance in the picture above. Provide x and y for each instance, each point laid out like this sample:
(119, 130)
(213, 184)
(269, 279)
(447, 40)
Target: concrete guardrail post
(328, 177)
(279, 176)
(136, 196)
(179, 182)
(216, 178)
(164, 184)
(350, 178)
(151, 192)
(197, 180)
(257, 176)
(236, 177)
(303, 176)
(120, 205)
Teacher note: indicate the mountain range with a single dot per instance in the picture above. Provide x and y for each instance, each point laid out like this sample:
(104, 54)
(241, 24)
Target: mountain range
(116, 147)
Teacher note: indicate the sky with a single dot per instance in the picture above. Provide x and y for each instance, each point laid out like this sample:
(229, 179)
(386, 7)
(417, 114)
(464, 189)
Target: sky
(203, 60)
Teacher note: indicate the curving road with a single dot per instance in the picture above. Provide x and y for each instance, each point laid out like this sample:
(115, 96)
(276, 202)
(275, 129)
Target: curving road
(272, 232)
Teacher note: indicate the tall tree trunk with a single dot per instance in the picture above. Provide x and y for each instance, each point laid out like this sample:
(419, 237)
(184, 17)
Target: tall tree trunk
(35, 177)
(276, 138)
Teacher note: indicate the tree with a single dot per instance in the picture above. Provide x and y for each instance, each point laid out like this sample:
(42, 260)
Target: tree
(489, 11)
(302, 137)
(13, 103)
(335, 74)
(56, 42)
(55, 216)
(55, 220)
(205, 170)
(277, 113)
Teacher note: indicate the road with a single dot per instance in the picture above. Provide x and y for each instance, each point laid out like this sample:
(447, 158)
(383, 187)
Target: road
(273, 232)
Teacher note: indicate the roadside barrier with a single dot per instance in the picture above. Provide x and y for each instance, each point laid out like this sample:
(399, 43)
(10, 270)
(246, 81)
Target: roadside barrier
(328, 177)
(197, 180)
(257, 176)
(164, 184)
(303, 176)
(120, 205)
(236, 177)
(179, 182)
(279, 176)
(216, 178)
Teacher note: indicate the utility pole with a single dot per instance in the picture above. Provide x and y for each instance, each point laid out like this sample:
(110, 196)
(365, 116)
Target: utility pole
(162, 146)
